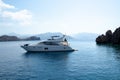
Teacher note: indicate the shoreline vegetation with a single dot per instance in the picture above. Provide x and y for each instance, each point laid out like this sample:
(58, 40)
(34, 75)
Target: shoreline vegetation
(109, 37)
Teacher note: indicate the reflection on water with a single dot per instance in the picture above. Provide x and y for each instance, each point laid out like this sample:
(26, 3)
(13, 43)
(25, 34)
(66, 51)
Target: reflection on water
(50, 55)
(114, 49)
(48, 64)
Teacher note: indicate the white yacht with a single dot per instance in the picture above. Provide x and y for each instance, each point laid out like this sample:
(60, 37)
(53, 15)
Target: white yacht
(53, 44)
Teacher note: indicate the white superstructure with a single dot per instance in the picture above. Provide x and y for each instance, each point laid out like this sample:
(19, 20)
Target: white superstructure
(59, 44)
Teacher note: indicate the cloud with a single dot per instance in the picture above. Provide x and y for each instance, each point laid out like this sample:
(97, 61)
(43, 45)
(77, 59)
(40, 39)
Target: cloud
(22, 17)
(4, 5)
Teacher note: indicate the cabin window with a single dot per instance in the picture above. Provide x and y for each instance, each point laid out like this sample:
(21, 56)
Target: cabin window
(46, 48)
(50, 43)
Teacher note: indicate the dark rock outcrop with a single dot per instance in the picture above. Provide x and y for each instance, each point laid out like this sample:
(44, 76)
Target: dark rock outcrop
(116, 36)
(110, 37)
(101, 39)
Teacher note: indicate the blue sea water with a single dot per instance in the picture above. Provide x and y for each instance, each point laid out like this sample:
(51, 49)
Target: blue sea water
(90, 62)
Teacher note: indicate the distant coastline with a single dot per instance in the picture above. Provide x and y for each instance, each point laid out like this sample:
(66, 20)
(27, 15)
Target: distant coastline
(43, 36)
(15, 38)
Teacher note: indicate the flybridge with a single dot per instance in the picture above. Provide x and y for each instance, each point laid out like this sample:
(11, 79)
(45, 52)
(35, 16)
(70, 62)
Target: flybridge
(53, 37)
(56, 37)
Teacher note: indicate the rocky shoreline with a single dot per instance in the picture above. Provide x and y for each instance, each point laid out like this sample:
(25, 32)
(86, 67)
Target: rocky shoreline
(109, 37)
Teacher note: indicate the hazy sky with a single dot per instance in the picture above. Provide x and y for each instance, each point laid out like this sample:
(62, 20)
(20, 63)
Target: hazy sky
(66, 16)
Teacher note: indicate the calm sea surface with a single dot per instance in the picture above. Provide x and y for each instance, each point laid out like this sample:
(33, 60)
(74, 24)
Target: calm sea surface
(90, 62)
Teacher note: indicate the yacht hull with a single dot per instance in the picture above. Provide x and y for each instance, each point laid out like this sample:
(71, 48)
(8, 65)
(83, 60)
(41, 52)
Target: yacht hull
(53, 51)
(47, 49)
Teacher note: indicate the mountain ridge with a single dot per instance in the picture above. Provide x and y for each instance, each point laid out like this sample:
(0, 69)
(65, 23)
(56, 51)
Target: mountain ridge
(43, 36)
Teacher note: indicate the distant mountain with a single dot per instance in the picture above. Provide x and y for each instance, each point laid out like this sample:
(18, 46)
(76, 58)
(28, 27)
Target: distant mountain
(13, 34)
(30, 38)
(79, 36)
(9, 38)
(19, 35)
(44, 36)
(48, 35)
(85, 36)
(15, 38)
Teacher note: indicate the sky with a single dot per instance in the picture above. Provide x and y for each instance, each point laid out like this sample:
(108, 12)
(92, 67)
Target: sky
(65, 16)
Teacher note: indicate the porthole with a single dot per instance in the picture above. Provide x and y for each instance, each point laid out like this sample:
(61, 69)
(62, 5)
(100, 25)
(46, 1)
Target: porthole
(45, 48)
